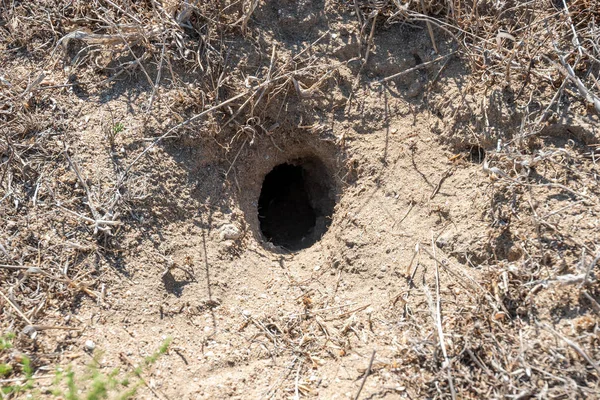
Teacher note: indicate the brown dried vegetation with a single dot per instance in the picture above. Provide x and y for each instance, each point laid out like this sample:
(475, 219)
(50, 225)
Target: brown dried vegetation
(515, 317)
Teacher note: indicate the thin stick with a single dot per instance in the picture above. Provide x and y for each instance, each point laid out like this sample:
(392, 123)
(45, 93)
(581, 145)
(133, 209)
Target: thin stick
(50, 327)
(347, 313)
(296, 391)
(418, 67)
(88, 219)
(463, 278)
(2, 381)
(311, 45)
(438, 311)
(429, 28)
(16, 267)
(84, 184)
(499, 172)
(357, 10)
(592, 301)
(574, 345)
(17, 309)
(235, 158)
(408, 273)
(589, 269)
(562, 209)
(33, 84)
(273, 389)
(412, 204)
(445, 176)
(158, 76)
(176, 127)
(568, 72)
(367, 373)
(575, 36)
(370, 40)
(132, 16)
(314, 312)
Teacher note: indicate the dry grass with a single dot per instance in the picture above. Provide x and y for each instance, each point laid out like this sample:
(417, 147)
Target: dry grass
(545, 59)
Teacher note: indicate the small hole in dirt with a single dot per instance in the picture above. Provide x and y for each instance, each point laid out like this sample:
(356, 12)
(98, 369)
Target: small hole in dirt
(476, 154)
(295, 204)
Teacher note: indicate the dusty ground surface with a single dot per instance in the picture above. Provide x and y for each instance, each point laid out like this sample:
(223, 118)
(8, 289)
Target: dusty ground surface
(459, 258)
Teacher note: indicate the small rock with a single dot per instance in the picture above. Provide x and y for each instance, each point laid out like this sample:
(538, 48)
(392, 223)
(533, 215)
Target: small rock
(90, 345)
(4, 81)
(443, 241)
(227, 244)
(230, 232)
(414, 89)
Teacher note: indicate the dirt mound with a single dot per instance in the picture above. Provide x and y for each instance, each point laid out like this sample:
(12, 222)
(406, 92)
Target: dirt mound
(299, 199)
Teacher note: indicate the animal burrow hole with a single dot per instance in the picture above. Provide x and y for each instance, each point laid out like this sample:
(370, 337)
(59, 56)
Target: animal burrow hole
(296, 203)
(476, 154)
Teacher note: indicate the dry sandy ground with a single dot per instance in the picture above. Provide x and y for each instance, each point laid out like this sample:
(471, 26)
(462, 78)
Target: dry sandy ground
(457, 260)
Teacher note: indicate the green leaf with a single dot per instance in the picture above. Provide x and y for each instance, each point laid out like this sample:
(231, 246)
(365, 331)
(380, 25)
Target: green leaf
(5, 370)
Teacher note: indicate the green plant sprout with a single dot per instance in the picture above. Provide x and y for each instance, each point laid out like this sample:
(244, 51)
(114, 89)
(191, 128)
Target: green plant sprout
(92, 385)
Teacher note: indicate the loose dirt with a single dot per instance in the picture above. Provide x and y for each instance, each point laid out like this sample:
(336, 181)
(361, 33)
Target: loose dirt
(317, 220)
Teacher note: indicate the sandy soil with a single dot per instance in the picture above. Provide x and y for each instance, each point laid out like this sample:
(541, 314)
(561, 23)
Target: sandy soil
(450, 266)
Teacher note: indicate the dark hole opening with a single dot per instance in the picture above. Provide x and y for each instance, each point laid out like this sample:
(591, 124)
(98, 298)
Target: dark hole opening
(295, 206)
(477, 154)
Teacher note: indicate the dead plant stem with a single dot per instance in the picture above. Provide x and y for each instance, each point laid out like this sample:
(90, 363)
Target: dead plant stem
(367, 373)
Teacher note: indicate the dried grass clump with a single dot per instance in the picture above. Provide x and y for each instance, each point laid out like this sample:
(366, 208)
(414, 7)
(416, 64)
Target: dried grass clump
(60, 231)
(524, 48)
(531, 328)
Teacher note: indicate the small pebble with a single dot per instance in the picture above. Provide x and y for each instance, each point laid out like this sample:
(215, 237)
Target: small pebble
(414, 89)
(90, 345)
(230, 232)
